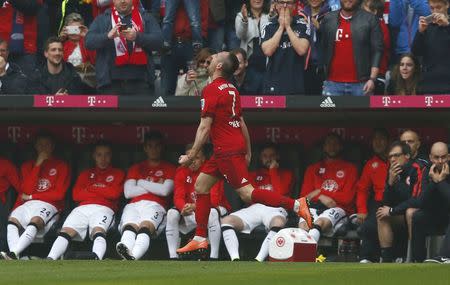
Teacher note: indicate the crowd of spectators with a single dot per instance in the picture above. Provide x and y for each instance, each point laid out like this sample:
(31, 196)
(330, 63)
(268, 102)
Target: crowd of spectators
(301, 47)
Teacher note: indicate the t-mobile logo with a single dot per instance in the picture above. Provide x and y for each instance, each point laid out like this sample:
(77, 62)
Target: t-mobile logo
(91, 100)
(339, 33)
(386, 101)
(428, 101)
(50, 100)
(259, 101)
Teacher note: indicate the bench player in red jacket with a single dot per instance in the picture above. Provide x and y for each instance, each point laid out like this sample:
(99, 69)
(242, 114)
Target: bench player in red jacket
(181, 218)
(329, 184)
(268, 177)
(221, 119)
(97, 192)
(149, 185)
(44, 182)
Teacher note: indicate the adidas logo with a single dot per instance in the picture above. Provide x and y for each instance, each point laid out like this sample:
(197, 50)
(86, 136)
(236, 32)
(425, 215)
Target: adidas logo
(159, 103)
(244, 181)
(327, 103)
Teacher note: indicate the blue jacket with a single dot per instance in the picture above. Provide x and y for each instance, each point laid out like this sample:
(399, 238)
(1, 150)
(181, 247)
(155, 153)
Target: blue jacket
(398, 18)
(97, 39)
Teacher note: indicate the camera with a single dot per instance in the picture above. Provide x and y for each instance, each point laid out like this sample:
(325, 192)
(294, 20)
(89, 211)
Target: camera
(429, 19)
(122, 27)
(73, 30)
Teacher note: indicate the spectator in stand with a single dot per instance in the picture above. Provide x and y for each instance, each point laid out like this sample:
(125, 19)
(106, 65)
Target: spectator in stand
(97, 192)
(12, 80)
(182, 46)
(232, 8)
(402, 189)
(192, 8)
(216, 24)
(403, 20)
(285, 41)
(56, 76)
(329, 185)
(8, 177)
(181, 218)
(369, 196)
(376, 7)
(75, 52)
(124, 38)
(43, 185)
(352, 44)
(316, 11)
(432, 217)
(243, 81)
(195, 79)
(432, 44)
(351, 57)
(268, 177)
(250, 22)
(405, 76)
(19, 26)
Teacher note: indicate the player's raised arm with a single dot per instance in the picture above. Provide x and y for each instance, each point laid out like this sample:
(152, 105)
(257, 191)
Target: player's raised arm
(200, 139)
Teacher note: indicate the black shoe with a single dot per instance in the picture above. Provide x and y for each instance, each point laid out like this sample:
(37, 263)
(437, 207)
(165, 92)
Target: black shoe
(438, 259)
(123, 251)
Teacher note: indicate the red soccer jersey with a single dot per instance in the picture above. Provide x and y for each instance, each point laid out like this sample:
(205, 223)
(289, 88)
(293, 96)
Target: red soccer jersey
(277, 180)
(157, 174)
(221, 101)
(47, 182)
(99, 186)
(8, 177)
(373, 176)
(342, 66)
(336, 179)
(185, 193)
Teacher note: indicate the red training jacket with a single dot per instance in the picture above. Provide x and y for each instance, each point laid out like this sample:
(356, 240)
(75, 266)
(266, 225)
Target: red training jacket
(8, 177)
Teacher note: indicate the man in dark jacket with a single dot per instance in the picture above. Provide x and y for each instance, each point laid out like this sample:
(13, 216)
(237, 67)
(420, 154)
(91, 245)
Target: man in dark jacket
(432, 42)
(433, 215)
(402, 189)
(56, 76)
(12, 80)
(124, 48)
(352, 46)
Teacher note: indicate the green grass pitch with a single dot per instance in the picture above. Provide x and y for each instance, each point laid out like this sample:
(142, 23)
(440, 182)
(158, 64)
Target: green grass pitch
(230, 273)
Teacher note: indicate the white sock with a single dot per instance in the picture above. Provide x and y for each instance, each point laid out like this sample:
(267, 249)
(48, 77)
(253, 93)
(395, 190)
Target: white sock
(59, 247)
(99, 247)
(25, 239)
(12, 236)
(315, 234)
(199, 238)
(214, 233)
(173, 232)
(128, 238)
(231, 243)
(141, 246)
(264, 250)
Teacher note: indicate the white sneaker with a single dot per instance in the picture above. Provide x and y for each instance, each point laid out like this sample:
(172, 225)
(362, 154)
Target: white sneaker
(365, 261)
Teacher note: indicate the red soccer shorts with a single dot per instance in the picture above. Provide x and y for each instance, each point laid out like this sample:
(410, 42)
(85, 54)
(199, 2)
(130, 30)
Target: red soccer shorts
(233, 168)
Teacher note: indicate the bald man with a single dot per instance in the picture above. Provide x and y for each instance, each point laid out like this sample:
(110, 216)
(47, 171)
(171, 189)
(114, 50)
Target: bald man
(412, 139)
(433, 215)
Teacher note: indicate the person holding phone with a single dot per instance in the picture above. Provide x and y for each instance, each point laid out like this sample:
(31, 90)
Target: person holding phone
(403, 186)
(431, 43)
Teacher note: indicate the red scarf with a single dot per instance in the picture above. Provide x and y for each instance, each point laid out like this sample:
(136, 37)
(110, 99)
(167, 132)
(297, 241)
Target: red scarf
(123, 57)
(29, 26)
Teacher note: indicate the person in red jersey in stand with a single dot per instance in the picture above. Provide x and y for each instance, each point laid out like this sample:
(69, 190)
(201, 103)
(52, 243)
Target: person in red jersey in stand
(181, 218)
(221, 119)
(149, 185)
(329, 184)
(44, 182)
(97, 192)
